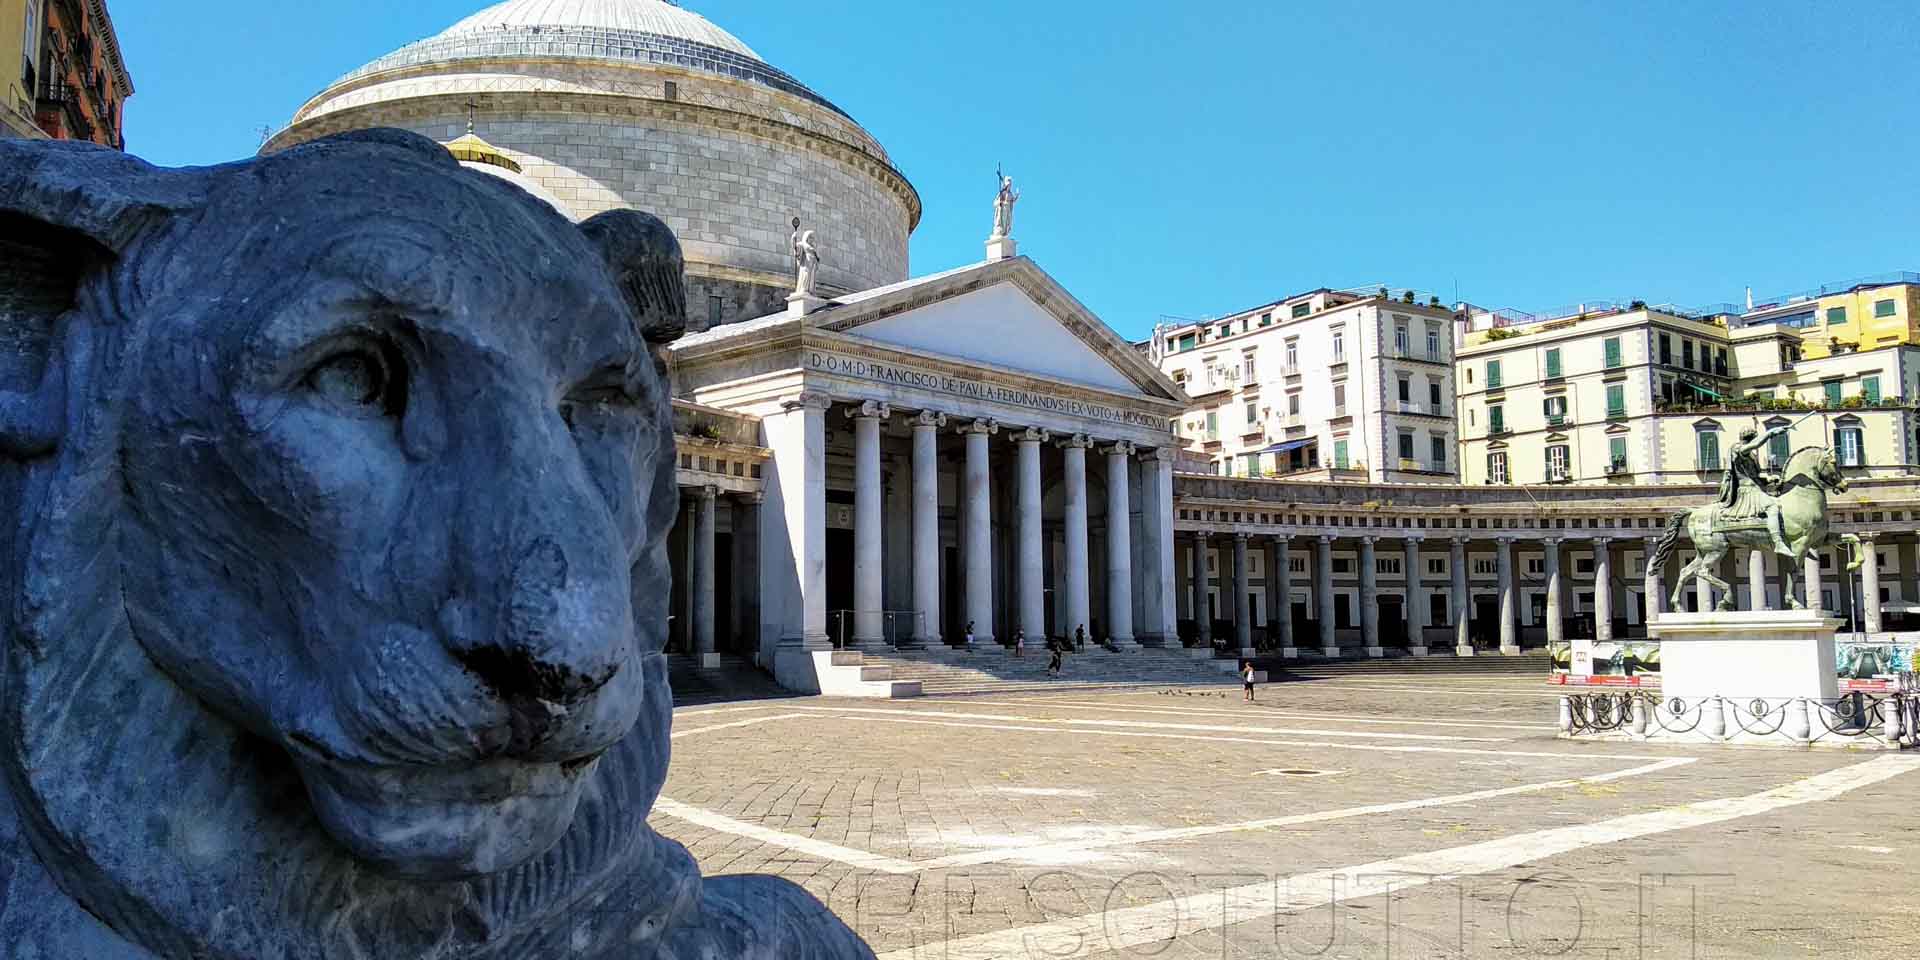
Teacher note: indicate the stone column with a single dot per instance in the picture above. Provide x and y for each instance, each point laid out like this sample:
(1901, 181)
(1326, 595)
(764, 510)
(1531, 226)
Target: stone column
(926, 524)
(746, 570)
(1702, 590)
(703, 611)
(1509, 601)
(1556, 619)
(1810, 581)
(1462, 598)
(1161, 628)
(1870, 584)
(1242, 605)
(1033, 581)
(1757, 579)
(1077, 612)
(1323, 594)
(807, 517)
(1202, 616)
(1843, 592)
(1119, 547)
(1603, 590)
(868, 604)
(1655, 585)
(1280, 594)
(1416, 608)
(1909, 570)
(976, 507)
(1370, 599)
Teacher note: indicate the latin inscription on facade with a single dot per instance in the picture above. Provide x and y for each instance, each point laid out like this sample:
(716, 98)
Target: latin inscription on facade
(898, 375)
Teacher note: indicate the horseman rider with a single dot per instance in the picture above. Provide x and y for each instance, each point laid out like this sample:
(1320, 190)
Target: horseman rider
(1747, 494)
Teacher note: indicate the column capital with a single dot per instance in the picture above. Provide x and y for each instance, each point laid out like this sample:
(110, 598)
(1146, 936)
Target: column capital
(809, 401)
(1119, 448)
(752, 498)
(1076, 440)
(1869, 536)
(870, 410)
(1327, 538)
(707, 492)
(1415, 538)
(1029, 435)
(1368, 539)
(1461, 542)
(1158, 454)
(1240, 535)
(1551, 541)
(983, 426)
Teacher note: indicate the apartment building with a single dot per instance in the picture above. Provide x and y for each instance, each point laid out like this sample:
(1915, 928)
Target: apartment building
(21, 27)
(82, 84)
(1846, 317)
(1335, 384)
(1636, 395)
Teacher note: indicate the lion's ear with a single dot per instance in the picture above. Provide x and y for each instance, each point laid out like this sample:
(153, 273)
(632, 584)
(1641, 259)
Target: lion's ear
(644, 257)
(66, 210)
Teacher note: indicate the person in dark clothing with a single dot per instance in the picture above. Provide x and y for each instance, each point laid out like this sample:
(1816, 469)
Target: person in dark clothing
(1059, 651)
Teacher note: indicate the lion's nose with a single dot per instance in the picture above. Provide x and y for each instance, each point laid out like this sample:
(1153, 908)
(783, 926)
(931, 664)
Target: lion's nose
(555, 641)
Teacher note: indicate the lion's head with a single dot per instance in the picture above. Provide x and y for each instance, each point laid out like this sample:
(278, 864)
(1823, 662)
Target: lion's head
(339, 485)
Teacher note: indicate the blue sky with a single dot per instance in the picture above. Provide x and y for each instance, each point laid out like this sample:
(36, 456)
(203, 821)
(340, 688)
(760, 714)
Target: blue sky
(1191, 159)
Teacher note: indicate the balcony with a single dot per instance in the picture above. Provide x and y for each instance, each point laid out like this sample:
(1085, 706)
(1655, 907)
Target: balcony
(56, 93)
(1618, 467)
(1557, 420)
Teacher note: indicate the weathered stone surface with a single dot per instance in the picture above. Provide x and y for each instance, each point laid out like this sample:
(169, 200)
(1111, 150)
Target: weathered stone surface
(337, 487)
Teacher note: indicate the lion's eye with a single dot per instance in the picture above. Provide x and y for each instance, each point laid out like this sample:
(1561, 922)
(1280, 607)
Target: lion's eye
(359, 378)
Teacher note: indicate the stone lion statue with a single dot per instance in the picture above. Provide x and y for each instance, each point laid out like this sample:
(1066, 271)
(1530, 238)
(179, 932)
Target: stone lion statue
(337, 484)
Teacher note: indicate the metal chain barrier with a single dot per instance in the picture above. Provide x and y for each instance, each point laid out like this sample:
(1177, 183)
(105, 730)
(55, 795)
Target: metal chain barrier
(1890, 719)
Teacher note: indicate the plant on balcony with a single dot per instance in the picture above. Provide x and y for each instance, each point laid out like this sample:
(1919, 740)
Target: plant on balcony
(1501, 333)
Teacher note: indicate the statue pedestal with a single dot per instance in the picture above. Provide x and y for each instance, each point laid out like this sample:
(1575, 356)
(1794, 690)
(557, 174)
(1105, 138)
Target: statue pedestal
(1002, 248)
(801, 304)
(1752, 677)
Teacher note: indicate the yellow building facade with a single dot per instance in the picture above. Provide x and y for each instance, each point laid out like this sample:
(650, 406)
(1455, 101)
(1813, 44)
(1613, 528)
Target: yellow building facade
(1866, 317)
(21, 24)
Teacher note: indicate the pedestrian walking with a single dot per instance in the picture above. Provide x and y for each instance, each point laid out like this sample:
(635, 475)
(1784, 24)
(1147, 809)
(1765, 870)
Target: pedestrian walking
(1059, 648)
(1080, 638)
(1019, 642)
(969, 636)
(1246, 678)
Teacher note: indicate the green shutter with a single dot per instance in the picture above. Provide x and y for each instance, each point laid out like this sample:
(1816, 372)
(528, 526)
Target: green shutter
(1616, 400)
(1493, 373)
(1836, 315)
(1496, 419)
(1833, 393)
(1870, 389)
(1339, 454)
(1883, 308)
(1617, 452)
(1613, 352)
(1709, 450)
(1778, 449)
(1553, 363)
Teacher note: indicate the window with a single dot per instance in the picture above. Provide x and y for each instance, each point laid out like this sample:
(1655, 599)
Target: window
(1213, 425)
(1497, 467)
(1406, 445)
(1339, 399)
(1852, 446)
(1252, 464)
(1433, 393)
(1557, 462)
(1778, 449)
(1386, 565)
(1433, 343)
(1870, 389)
(1836, 315)
(1720, 361)
(1266, 319)
(1438, 444)
(1617, 453)
(1340, 455)
(1339, 347)
(1293, 355)
(1302, 309)
(1556, 410)
(1613, 353)
(1400, 342)
(1832, 388)
(1248, 368)
(1493, 374)
(1293, 404)
(1553, 363)
(1686, 354)
(1436, 566)
(1497, 419)
(1226, 330)
(1883, 308)
(1709, 443)
(1296, 564)
(1342, 565)
(1616, 400)
(1187, 342)
(1484, 567)
(1536, 566)
(1666, 349)
(1253, 412)
(1406, 389)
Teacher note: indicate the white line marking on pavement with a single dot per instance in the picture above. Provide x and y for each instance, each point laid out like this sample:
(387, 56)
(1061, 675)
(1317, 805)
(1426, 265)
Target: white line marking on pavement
(792, 841)
(750, 721)
(1253, 714)
(1112, 931)
(1160, 725)
(690, 711)
(1532, 691)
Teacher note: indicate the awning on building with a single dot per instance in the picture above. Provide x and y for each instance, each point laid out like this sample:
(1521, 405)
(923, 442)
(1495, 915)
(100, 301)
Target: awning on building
(1703, 390)
(1288, 446)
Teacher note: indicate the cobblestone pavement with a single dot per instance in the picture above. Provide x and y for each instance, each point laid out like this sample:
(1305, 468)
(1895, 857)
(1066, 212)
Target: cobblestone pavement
(1379, 818)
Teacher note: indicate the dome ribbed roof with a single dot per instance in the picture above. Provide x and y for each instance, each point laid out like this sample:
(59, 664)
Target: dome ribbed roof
(657, 17)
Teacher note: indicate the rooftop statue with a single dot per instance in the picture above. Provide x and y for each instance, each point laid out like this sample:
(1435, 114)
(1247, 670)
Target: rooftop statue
(1786, 516)
(1003, 201)
(806, 260)
(338, 484)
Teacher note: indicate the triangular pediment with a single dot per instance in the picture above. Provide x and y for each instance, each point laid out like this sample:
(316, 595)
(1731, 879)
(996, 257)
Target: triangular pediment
(1008, 315)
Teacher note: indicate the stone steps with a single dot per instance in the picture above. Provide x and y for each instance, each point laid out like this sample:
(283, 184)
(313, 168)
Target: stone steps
(993, 670)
